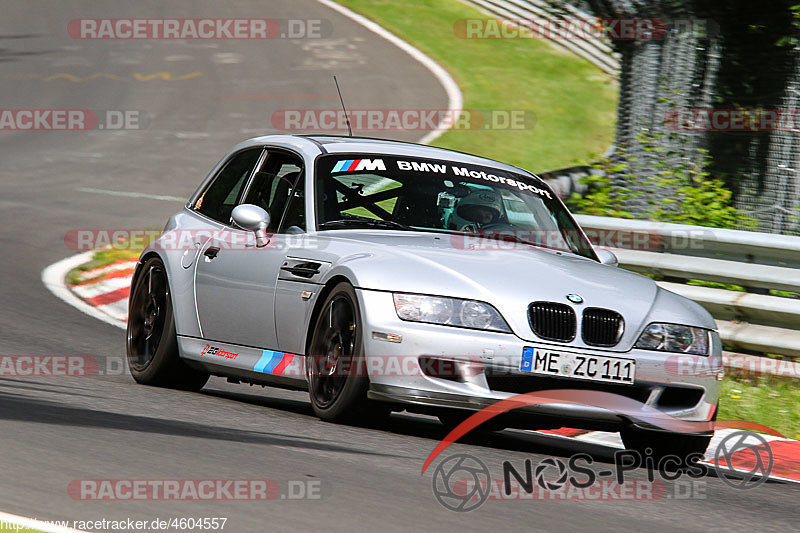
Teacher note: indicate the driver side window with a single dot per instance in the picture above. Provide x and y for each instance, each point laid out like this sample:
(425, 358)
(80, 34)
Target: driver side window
(219, 198)
(278, 188)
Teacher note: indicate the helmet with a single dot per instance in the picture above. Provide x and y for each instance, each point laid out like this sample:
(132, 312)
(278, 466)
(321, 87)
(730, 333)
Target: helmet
(473, 206)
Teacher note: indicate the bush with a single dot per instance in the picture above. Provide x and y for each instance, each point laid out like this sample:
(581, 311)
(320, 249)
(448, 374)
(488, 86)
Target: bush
(694, 196)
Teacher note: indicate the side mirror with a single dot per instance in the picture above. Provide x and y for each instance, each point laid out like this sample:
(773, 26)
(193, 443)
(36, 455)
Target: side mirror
(607, 257)
(253, 218)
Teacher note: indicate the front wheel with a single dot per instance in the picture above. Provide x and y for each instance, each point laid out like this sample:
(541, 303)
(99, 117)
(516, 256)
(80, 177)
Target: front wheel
(152, 345)
(337, 378)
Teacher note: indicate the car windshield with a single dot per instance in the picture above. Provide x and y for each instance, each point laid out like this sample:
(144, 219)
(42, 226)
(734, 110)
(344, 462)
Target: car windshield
(405, 193)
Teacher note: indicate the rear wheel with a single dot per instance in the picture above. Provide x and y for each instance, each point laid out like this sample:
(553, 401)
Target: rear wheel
(337, 378)
(152, 344)
(659, 444)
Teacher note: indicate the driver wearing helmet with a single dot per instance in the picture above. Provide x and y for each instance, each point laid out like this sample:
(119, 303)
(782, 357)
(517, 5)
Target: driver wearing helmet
(482, 208)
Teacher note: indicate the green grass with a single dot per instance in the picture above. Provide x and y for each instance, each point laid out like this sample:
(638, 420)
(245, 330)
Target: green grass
(574, 101)
(773, 402)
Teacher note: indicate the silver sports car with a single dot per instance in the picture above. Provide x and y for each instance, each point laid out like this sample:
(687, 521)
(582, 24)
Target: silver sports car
(384, 276)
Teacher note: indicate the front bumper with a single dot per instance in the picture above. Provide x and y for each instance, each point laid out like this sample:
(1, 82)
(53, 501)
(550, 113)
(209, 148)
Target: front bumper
(487, 370)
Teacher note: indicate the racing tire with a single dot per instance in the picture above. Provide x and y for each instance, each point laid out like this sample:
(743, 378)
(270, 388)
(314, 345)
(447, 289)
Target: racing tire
(659, 445)
(336, 366)
(151, 341)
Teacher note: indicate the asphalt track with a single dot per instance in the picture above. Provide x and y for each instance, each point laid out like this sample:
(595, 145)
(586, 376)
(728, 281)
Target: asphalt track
(55, 430)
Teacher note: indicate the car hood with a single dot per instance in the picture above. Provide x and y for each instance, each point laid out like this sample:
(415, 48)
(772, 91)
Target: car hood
(509, 276)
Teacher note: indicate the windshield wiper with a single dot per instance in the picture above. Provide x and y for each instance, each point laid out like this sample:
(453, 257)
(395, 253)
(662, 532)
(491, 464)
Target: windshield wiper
(364, 222)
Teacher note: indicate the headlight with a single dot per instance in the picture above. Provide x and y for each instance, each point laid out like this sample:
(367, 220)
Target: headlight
(674, 338)
(449, 312)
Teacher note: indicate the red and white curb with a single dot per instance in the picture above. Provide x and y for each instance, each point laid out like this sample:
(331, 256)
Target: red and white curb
(107, 288)
(105, 299)
(785, 452)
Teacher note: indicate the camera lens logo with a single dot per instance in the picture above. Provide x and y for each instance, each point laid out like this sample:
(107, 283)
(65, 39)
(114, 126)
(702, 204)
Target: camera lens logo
(551, 466)
(461, 483)
(747, 459)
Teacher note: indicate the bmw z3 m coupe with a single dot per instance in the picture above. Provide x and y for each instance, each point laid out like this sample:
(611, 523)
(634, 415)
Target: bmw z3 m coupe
(383, 275)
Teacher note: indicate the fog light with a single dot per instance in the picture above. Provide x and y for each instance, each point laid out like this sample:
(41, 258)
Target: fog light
(455, 369)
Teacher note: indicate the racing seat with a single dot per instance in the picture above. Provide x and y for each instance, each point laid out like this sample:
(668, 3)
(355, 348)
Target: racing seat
(417, 210)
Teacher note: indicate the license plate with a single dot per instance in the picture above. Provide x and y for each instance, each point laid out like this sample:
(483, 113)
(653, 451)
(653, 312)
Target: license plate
(578, 366)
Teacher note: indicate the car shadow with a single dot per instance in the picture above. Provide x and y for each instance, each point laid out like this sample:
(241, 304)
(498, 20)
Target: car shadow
(428, 427)
(35, 410)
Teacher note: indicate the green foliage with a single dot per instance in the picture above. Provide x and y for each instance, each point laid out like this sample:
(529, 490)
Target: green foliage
(784, 294)
(694, 196)
(715, 285)
(604, 198)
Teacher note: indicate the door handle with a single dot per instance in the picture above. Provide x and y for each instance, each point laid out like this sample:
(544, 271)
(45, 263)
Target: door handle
(302, 270)
(211, 252)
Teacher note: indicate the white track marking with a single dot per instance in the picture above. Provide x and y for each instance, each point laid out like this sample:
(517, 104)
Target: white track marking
(454, 96)
(32, 523)
(132, 194)
(54, 278)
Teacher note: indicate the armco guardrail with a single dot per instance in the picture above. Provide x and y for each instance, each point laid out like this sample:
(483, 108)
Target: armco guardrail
(544, 17)
(759, 262)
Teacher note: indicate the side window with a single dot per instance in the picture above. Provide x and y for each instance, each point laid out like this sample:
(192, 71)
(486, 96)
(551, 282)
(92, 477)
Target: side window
(219, 198)
(278, 187)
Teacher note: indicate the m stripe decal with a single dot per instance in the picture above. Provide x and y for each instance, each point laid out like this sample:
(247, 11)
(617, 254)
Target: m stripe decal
(268, 361)
(347, 165)
(273, 362)
(285, 361)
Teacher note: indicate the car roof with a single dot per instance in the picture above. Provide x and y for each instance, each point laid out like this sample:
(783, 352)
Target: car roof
(333, 144)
